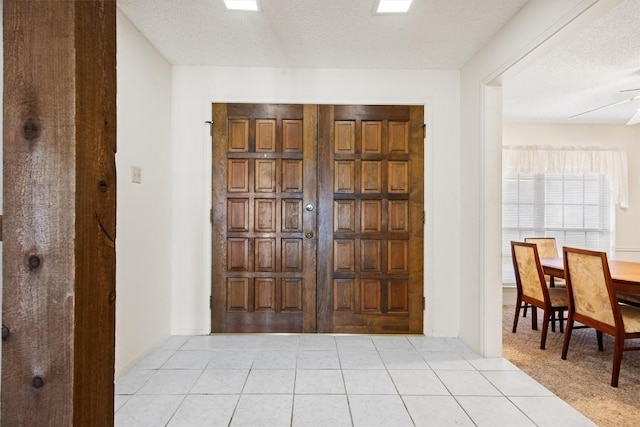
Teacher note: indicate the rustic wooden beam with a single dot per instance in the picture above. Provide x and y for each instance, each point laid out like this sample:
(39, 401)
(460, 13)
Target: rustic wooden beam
(59, 147)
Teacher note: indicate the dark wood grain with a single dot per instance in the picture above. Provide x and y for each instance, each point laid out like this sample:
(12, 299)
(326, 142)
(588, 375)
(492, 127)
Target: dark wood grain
(59, 210)
(264, 167)
(381, 268)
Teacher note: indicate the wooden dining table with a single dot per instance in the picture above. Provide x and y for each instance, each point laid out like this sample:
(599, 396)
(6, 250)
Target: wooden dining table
(625, 275)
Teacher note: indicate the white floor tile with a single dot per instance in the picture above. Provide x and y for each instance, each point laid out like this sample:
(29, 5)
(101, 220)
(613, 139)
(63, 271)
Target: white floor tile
(177, 381)
(188, 359)
(119, 400)
(155, 359)
(317, 342)
(446, 361)
(493, 412)
(245, 342)
(321, 411)
(147, 411)
(368, 382)
(467, 383)
(324, 380)
(174, 342)
(516, 383)
(360, 359)
(281, 342)
(205, 410)
(319, 381)
(270, 381)
(133, 380)
(353, 342)
(551, 411)
(275, 359)
(418, 382)
(220, 381)
(374, 411)
(206, 342)
(231, 359)
(318, 359)
(263, 410)
(422, 343)
(428, 411)
(403, 360)
(399, 342)
(492, 364)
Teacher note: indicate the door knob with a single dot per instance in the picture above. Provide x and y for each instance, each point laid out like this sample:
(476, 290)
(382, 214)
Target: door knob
(308, 234)
(309, 207)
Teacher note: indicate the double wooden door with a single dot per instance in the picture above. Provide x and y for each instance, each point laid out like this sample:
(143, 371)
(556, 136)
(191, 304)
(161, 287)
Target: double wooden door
(317, 218)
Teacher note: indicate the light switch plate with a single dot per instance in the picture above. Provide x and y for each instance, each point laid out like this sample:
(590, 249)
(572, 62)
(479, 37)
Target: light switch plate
(136, 174)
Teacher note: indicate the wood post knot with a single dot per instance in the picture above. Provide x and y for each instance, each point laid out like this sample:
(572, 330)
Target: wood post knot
(34, 262)
(30, 130)
(37, 382)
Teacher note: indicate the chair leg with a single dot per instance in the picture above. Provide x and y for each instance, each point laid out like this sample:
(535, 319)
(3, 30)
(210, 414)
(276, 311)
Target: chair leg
(534, 317)
(553, 321)
(561, 319)
(599, 337)
(567, 336)
(515, 318)
(526, 306)
(545, 327)
(617, 360)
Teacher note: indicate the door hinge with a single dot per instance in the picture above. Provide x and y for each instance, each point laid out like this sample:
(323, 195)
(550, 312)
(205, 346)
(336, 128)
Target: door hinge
(210, 123)
(424, 303)
(211, 215)
(210, 302)
(424, 217)
(424, 130)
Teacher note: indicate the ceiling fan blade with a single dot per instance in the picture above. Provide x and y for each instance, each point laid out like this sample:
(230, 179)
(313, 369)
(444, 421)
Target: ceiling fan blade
(633, 98)
(635, 119)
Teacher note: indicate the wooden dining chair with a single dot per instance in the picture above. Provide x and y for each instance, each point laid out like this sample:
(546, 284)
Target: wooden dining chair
(593, 302)
(547, 248)
(532, 289)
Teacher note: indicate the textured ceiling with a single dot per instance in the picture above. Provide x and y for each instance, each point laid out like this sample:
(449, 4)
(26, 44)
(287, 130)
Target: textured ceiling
(584, 73)
(436, 34)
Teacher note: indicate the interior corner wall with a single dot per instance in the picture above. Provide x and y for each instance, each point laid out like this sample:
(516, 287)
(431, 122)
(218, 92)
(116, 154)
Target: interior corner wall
(538, 25)
(195, 88)
(143, 242)
(627, 138)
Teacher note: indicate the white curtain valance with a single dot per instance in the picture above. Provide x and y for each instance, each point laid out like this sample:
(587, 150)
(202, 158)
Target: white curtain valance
(571, 160)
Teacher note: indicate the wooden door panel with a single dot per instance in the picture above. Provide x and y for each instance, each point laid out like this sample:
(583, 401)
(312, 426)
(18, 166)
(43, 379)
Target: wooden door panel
(370, 242)
(352, 262)
(344, 214)
(263, 266)
(238, 177)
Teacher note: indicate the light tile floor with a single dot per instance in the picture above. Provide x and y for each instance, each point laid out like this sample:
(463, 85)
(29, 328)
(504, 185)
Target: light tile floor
(326, 380)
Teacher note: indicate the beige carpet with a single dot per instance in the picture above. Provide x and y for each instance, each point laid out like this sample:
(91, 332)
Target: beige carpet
(583, 379)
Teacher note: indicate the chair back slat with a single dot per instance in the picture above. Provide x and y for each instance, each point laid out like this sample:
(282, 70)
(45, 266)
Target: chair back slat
(547, 247)
(528, 271)
(587, 281)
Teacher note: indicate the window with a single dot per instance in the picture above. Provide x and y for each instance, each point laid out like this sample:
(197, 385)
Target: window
(574, 208)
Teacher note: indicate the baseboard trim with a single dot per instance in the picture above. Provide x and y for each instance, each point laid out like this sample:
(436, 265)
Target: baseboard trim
(509, 295)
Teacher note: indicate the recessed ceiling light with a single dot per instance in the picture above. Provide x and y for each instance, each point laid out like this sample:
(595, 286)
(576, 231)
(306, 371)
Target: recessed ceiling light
(241, 4)
(393, 6)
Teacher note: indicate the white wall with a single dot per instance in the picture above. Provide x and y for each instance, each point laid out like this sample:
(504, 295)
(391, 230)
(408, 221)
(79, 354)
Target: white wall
(624, 137)
(537, 27)
(143, 243)
(195, 88)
